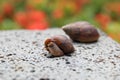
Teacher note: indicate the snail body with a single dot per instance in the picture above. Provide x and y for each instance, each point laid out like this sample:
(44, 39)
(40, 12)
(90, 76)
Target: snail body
(81, 31)
(59, 45)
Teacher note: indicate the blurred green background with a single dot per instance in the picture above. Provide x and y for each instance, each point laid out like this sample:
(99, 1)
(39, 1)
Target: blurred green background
(44, 14)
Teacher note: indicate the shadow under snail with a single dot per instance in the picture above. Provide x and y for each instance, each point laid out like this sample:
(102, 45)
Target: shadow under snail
(81, 31)
(59, 45)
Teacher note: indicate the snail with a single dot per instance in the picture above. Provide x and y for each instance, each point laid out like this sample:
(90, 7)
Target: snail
(59, 45)
(81, 31)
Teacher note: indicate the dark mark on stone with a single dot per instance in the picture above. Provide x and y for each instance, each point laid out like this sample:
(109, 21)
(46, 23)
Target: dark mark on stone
(67, 62)
(58, 63)
(9, 55)
(27, 46)
(68, 55)
(2, 61)
(14, 53)
(1, 56)
(74, 69)
(118, 49)
(38, 33)
(93, 54)
(89, 47)
(50, 56)
(34, 42)
(89, 69)
(113, 63)
(1, 73)
(22, 48)
(32, 52)
(117, 56)
(63, 58)
(14, 78)
(87, 59)
(56, 59)
(11, 60)
(26, 42)
(78, 72)
(23, 40)
(36, 45)
(45, 54)
(44, 79)
(32, 71)
(23, 59)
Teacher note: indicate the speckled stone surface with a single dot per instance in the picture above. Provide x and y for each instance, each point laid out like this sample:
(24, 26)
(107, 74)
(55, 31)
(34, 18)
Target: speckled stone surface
(23, 57)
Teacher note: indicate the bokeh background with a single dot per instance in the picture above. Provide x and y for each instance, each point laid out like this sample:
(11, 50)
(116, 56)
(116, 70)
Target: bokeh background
(44, 14)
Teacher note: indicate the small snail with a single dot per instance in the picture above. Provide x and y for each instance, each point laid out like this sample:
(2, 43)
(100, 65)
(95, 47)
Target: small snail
(59, 45)
(81, 31)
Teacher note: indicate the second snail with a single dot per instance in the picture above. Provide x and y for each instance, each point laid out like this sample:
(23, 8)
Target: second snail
(81, 31)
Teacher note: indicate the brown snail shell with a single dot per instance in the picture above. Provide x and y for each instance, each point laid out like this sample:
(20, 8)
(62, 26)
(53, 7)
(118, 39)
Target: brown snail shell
(81, 31)
(59, 45)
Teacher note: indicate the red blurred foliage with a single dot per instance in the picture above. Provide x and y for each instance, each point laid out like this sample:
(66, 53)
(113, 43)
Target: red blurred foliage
(1, 18)
(36, 16)
(8, 10)
(58, 13)
(21, 19)
(37, 26)
(103, 20)
(37, 20)
(32, 20)
(80, 3)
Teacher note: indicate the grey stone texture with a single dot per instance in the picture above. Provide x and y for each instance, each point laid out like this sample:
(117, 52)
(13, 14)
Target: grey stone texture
(23, 57)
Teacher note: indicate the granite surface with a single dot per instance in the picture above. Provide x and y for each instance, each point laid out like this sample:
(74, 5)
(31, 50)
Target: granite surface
(23, 57)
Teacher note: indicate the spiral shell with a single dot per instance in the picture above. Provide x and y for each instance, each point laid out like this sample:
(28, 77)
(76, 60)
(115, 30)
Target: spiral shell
(59, 45)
